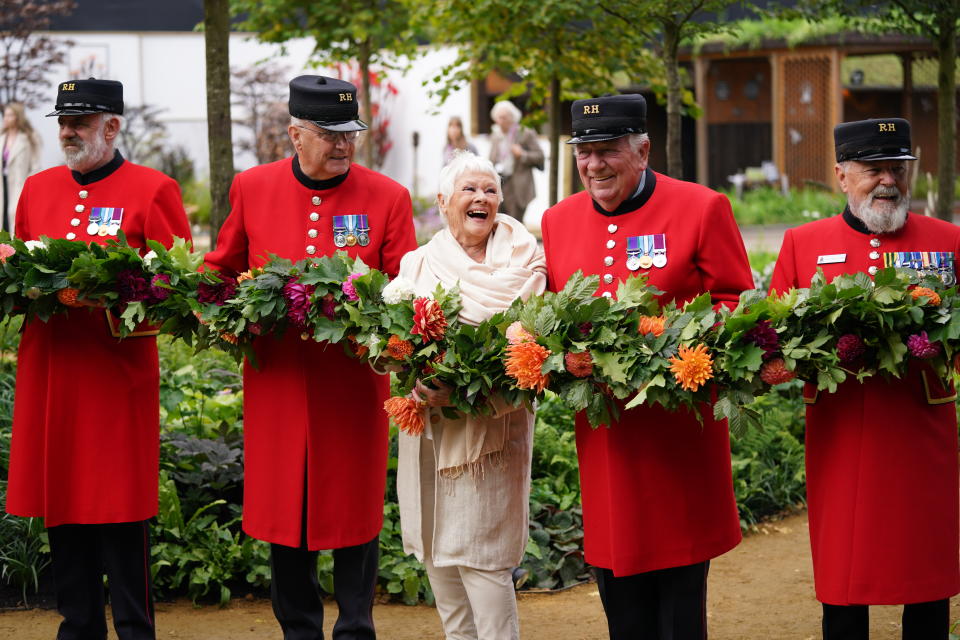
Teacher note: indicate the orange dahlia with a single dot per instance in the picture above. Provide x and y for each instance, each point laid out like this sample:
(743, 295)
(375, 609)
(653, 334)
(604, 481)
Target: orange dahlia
(405, 412)
(692, 367)
(399, 349)
(652, 324)
(580, 365)
(428, 319)
(246, 275)
(68, 297)
(934, 297)
(226, 336)
(524, 363)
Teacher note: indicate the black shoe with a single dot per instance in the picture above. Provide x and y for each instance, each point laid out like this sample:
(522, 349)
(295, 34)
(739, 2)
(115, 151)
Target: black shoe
(520, 577)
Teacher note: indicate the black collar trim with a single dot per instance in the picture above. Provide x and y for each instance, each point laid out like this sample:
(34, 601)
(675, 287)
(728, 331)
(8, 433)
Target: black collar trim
(99, 173)
(633, 203)
(316, 185)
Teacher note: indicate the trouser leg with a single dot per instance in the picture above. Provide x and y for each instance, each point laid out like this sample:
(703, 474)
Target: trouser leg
(846, 622)
(493, 601)
(295, 592)
(126, 558)
(453, 603)
(630, 604)
(668, 604)
(926, 620)
(354, 585)
(78, 581)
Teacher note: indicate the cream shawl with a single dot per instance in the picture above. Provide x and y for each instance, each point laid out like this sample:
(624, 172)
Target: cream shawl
(514, 267)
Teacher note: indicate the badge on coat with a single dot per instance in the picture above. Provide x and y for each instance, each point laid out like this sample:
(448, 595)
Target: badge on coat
(349, 231)
(647, 251)
(833, 258)
(104, 221)
(928, 263)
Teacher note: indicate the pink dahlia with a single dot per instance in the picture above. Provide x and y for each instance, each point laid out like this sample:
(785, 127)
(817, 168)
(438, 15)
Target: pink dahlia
(297, 296)
(850, 348)
(348, 289)
(921, 347)
(5, 252)
(517, 334)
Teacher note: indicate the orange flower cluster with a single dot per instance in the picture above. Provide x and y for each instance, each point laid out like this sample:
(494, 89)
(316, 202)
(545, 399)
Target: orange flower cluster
(356, 348)
(428, 320)
(652, 324)
(934, 297)
(692, 367)
(246, 275)
(399, 349)
(580, 365)
(524, 363)
(229, 337)
(68, 297)
(405, 412)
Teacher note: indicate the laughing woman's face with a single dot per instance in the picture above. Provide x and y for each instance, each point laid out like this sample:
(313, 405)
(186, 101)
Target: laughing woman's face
(472, 209)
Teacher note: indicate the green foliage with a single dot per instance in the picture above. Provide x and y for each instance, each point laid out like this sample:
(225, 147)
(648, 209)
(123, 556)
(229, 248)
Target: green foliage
(765, 205)
(197, 201)
(22, 554)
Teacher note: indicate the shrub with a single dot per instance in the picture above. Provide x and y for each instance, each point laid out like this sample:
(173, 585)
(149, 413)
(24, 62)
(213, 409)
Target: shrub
(765, 205)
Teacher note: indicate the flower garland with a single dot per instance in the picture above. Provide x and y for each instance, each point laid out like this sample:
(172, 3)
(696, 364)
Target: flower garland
(599, 355)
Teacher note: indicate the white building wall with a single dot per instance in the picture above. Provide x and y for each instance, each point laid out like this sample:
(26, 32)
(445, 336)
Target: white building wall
(168, 70)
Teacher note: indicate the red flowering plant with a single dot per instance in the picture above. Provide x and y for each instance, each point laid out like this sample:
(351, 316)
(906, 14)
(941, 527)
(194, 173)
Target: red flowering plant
(32, 273)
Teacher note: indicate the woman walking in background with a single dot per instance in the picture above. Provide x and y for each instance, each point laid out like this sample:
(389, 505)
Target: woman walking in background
(20, 145)
(456, 140)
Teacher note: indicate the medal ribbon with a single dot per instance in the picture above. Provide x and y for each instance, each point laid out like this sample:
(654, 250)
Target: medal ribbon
(633, 246)
(660, 243)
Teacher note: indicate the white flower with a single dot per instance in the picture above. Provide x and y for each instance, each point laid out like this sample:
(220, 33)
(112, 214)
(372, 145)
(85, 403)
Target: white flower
(34, 244)
(150, 257)
(398, 290)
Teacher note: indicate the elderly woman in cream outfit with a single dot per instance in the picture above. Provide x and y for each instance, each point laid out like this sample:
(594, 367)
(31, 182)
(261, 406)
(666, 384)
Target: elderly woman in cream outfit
(464, 485)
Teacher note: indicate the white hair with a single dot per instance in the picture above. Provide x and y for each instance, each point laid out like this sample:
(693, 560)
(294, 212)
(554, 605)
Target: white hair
(463, 162)
(635, 140)
(505, 106)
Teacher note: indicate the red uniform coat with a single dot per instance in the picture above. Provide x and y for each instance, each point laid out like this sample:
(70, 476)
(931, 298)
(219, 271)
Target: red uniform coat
(656, 486)
(313, 417)
(882, 483)
(86, 417)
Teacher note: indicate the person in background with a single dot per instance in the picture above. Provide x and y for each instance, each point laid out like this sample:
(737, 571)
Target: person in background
(464, 484)
(515, 152)
(20, 146)
(85, 453)
(456, 140)
(657, 490)
(315, 432)
(882, 481)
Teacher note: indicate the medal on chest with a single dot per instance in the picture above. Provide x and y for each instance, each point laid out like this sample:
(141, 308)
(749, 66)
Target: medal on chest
(351, 230)
(647, 251)
(104, 221)
(928, 263)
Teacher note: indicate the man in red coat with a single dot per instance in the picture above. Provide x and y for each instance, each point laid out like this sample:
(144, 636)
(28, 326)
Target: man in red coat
(86, 417)
(315, 433)
(882, 482)
(657, 491)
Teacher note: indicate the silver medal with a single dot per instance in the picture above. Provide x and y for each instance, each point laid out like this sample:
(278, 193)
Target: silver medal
(633, 263)
(659, 261)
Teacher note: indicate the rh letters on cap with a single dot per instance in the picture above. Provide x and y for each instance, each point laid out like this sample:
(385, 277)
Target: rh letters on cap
(346, 97)
(591, 108)
(887, 126)
(68, 86)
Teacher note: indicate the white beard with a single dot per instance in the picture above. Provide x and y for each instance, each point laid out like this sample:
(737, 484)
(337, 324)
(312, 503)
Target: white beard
(87, 154)
(881, 216)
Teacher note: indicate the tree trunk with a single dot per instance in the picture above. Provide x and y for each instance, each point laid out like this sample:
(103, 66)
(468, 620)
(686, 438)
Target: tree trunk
(367, 113)
(554, 133)
(216, 23)
(671, 42)
(947, 112)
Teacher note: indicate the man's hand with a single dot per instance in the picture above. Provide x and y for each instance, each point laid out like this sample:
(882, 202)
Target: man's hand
(439, 397)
